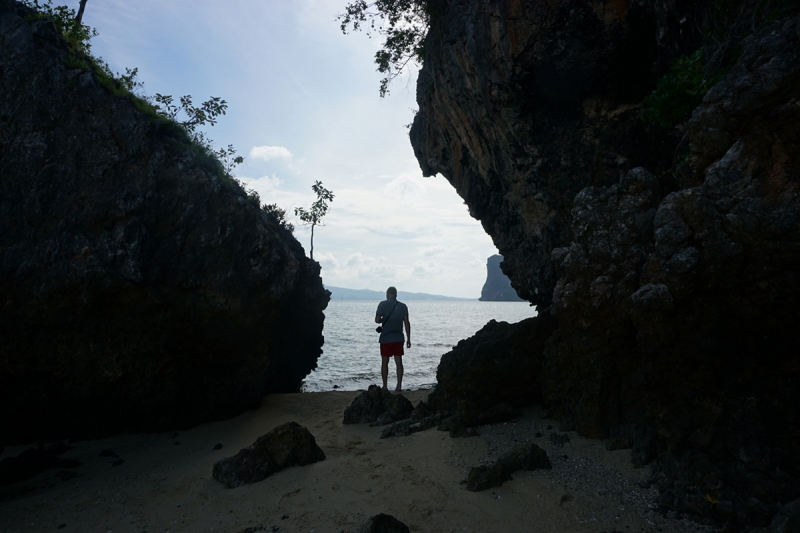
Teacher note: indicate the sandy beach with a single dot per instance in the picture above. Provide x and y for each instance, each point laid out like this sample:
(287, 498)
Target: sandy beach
(164, 482)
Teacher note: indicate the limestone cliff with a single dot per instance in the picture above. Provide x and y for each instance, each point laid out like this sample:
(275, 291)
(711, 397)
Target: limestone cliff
(674, 285)
(139, 288)
(497, 287)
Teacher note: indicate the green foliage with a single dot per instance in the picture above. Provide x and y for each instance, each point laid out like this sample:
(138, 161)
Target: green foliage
(193, 117)
(279, 214)
(313, 217)
(679, 91)
(76, 33)
(403, 25)
(319, 208)
(229, 159)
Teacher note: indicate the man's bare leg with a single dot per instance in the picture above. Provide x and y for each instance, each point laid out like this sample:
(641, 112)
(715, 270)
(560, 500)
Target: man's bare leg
(384, 370)
(398, 361)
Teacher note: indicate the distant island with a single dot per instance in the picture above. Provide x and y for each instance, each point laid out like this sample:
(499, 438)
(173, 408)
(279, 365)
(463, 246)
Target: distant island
(339, 293)
(497, 287)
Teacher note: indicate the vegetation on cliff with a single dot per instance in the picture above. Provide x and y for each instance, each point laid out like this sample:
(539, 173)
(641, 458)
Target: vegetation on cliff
(183, 119)
(403, 24)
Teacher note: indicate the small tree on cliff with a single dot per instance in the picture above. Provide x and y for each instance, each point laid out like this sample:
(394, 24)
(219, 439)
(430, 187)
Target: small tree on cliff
(313, 216)
(81, 8)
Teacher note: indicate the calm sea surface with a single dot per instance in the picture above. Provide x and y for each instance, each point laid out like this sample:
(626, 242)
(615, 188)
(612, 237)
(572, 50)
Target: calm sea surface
(351, 358)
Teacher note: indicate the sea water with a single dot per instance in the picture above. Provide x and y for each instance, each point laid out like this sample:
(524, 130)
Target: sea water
(351, 353)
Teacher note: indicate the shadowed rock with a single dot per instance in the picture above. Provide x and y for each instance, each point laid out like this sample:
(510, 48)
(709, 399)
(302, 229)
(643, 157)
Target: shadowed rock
(383, 523)
(487, 476)
(485, 377)
(669, 262)
(287, 445)
(407, 427)
(141, 288)
(525, 457)
(371, 404)
(456, 428)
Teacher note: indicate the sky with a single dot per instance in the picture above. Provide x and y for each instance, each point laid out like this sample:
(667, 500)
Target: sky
(303, 105)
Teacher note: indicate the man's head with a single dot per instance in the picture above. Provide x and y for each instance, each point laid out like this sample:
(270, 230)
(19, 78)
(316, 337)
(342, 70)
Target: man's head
(391, 292)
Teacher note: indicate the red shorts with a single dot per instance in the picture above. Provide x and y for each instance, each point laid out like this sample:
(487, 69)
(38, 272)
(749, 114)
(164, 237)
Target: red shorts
(389, 349)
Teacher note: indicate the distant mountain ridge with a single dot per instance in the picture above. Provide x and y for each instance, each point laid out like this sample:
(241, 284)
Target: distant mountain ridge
(340, 293)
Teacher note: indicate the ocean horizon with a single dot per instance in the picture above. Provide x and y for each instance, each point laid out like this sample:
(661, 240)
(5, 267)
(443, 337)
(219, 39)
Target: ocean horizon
(351, 358)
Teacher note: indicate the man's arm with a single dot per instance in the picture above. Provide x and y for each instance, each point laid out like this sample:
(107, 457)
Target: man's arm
(408, 331)
(378, 319)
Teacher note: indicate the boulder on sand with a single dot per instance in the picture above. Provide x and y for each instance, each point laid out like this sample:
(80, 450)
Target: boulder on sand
(287, 445)
(383, 523)
(485, 377)
(526, 457)
(368, 406)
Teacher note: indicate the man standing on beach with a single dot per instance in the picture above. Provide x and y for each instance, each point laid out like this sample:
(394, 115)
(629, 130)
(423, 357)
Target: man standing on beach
(392, 315)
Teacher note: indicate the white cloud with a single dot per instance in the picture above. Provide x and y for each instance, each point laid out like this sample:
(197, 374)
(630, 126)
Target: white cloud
(428, 251)
(405, 189)
(269, 183)
(328, 262)
(270, 152)
(356, 260)
(264, 183)
(430, 269)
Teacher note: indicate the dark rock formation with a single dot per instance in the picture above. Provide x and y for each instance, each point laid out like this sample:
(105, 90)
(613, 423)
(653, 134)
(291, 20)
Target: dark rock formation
(524, 457)
(487, 476)
(486, 376)
(383, 523)
(456, 428)
(289, 444)
(497, 287)
(524, 104)
(673, 286)
(786, 521)
(374, 402)
(405, 428)
(140, 288)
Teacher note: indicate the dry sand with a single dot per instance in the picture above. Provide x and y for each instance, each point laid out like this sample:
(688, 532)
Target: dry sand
(165, 483)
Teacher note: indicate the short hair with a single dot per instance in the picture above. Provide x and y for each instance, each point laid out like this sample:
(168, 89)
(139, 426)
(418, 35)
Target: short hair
(392, 291)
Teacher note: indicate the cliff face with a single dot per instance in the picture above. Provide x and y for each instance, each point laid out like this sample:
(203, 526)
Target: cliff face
(675, 294)
(497, 287)
(524, 104)
(141, 290)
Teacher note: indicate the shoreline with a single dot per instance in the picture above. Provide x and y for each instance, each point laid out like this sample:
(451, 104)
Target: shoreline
(164, 482)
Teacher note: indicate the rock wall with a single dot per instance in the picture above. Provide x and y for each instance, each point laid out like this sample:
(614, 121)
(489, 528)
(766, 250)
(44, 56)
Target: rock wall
(497, 287)
(139, 288)
(675, 293)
